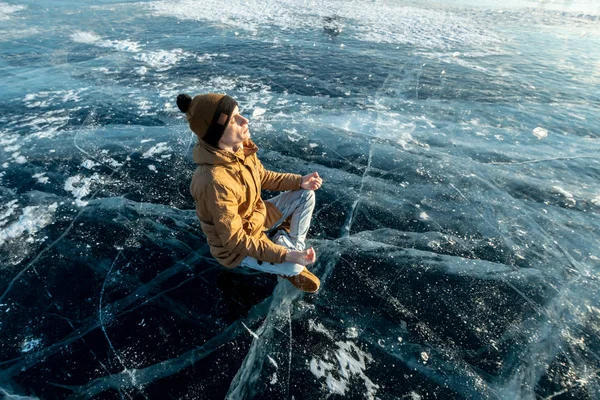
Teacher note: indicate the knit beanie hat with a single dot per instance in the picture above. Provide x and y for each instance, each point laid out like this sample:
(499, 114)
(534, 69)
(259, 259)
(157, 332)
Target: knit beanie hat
(208, 114)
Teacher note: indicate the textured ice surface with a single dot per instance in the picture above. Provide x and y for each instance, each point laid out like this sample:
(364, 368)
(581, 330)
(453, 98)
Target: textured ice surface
(379, 22)
(458, 253)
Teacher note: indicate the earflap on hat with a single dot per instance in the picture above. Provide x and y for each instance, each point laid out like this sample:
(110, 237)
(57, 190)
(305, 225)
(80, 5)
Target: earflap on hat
(220, 120)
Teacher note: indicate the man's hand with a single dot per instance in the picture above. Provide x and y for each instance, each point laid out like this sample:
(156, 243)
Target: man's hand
(311, 181)
(305, 257)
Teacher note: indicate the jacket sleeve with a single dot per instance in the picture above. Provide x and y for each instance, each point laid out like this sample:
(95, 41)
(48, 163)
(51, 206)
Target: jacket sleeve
(277, 181)
(228, 224)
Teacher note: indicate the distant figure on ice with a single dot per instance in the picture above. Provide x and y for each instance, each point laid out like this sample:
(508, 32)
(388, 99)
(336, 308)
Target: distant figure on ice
(227, 185)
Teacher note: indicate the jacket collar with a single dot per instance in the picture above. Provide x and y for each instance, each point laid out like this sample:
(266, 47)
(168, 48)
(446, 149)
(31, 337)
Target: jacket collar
(205, 154)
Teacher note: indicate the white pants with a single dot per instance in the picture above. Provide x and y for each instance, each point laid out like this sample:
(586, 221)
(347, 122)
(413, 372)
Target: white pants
(299, 204)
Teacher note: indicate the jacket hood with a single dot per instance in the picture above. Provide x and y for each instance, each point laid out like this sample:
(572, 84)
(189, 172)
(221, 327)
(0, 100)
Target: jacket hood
(205, 154)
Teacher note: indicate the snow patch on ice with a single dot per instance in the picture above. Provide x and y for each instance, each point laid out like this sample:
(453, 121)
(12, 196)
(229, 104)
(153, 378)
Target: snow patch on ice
(154, 150)
(222, 83)
(46, 124)
(6, 10)
(273, 378)
(112, 162)
(104, 70)
(18, 158)
(85, 37)
(258, 112)
(352, 333)
(540, 132)
(318, 327)
(80, 187)
(93, 39)
(414, 396)
(31, 221)
(293, 134)
(89, 164)
(7, 139)
(30, 344)
(569, 199)
(9, 209)
(351, 364)
(163, 60)
(71, 95)
(41, 177)
(14, 148)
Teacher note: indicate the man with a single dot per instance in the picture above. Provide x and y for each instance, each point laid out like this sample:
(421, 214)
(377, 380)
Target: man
(227, 185)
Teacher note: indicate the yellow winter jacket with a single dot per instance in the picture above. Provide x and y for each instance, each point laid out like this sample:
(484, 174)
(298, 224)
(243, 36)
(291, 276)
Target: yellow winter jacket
(226, 188)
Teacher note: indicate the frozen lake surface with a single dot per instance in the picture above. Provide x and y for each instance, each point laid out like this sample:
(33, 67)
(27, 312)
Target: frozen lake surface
(457, 231)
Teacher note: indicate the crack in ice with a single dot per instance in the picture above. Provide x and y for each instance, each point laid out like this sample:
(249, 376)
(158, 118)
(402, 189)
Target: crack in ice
(348, 224)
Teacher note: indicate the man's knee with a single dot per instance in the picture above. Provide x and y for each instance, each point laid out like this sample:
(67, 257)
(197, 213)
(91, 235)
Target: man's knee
(308, 196)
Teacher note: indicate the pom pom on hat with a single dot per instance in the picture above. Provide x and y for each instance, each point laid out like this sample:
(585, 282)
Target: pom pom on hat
(183, 102)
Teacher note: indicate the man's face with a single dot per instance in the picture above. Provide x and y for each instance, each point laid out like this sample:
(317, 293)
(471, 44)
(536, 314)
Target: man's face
(236, 131)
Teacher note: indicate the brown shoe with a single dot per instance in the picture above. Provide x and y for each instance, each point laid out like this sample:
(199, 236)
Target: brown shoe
(305, 281)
